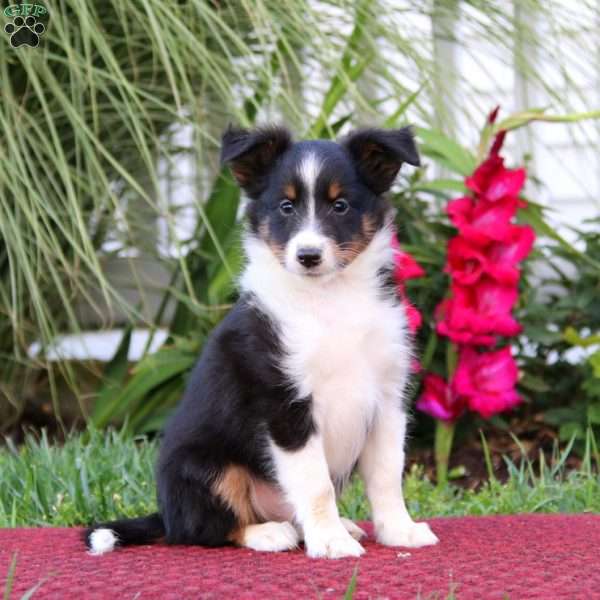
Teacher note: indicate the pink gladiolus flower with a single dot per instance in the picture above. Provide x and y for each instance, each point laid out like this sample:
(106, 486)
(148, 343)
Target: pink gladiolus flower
(466, 263)
(498, 142)
(406, 267)
(487, 380)
(475, 314)
(415, 319)
(505, 254)
(482, 261)
(506, 183)
(480, 180)
(438, 399)
(492, 116)
(482, 222)
(413, 316)
(491, 181)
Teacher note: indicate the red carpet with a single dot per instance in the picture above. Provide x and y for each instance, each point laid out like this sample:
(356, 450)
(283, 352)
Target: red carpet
(532, 556)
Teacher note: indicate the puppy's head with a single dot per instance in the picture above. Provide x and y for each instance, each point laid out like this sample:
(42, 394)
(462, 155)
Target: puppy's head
(316, 204)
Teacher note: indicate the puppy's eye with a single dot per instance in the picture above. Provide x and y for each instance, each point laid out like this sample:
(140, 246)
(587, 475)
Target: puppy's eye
(340, 206)
(286, 207)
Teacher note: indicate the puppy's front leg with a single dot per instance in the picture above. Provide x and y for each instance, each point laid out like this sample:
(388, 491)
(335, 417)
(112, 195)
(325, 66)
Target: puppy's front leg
(381, 465)
(304, 476)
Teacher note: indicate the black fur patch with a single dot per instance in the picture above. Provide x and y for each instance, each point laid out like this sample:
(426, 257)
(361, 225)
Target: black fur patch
(252, 154)
(379, 154)
(237, 398)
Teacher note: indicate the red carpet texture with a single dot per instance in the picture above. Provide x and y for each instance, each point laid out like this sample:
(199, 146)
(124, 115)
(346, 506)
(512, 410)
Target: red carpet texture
(548, 557)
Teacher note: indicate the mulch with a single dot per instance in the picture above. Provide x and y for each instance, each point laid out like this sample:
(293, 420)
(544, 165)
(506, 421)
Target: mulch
(518, 557)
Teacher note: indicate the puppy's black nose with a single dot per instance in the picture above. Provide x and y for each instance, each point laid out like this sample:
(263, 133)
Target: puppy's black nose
(309, 257)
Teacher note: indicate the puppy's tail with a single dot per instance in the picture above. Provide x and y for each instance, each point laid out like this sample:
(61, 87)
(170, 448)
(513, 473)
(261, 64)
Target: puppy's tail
(104, 537)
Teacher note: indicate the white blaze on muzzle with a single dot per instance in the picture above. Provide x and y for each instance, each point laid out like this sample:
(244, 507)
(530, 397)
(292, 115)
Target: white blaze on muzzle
(309, 242)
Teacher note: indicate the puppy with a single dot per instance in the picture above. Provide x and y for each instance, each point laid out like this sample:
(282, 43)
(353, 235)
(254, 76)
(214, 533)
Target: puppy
(303, 380)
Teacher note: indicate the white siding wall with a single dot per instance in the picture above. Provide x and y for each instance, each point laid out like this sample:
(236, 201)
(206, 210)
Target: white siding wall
(565, 159)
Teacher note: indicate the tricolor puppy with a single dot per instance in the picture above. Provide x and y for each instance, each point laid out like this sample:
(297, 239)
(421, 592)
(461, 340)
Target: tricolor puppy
(303, 381)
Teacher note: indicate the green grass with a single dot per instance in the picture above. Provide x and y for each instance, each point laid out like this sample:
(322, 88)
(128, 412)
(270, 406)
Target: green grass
(103, 475)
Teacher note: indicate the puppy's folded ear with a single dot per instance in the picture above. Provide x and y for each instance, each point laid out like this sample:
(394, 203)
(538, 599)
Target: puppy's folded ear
(379, 154)
(251, 154)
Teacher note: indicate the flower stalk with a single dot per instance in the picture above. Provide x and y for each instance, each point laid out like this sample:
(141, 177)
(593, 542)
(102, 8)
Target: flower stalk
(444, 435)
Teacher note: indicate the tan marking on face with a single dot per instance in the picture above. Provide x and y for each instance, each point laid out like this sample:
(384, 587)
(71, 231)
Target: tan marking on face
(334, 191)
(289, 191)
(241, 175)
(345, 253)
(234, 487)
(277, 249)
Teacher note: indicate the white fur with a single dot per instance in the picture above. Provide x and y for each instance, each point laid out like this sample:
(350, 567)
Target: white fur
(381, 465)
(271, 537)
(270, 504)
(310, 237)
(304, 476)
(346, 347)
(102, 541)
(308, 171)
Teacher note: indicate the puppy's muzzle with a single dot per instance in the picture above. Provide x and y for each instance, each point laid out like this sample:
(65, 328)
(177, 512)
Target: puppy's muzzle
(309, 257)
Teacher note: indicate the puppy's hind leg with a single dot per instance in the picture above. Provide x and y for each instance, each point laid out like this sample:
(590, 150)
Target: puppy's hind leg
(267, 537)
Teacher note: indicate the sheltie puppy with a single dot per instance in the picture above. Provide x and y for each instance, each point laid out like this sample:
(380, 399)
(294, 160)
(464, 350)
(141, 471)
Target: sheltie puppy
(303, 381)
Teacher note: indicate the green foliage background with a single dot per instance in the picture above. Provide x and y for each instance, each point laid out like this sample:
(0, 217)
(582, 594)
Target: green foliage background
(87, 119)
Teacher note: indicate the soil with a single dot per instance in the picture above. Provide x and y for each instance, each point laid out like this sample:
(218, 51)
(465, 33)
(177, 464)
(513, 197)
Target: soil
(468, 457)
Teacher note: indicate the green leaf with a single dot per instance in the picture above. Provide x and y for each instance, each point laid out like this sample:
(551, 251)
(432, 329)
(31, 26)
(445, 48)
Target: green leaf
(532, 214)
(571, 336)
(533, 383)
(594, 360)
(440, 185)
(560, 415)
(156, 406)
(392, 120)
(10, 577)
(222, 283)
(113, 377)
(438, 146)
(335, 127)
(349, 593)
(570, 431)
(593, 413)
(150, 373)
(517, 120)
(352, 64)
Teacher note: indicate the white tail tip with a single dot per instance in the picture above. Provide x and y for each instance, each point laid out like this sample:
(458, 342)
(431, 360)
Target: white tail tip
(102, 541)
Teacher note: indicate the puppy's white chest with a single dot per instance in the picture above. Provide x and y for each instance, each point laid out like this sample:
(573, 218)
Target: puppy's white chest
(348, 353)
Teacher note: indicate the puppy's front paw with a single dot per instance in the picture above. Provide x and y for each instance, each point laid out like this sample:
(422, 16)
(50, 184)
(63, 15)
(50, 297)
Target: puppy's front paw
(337, 543)
(407, 534)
